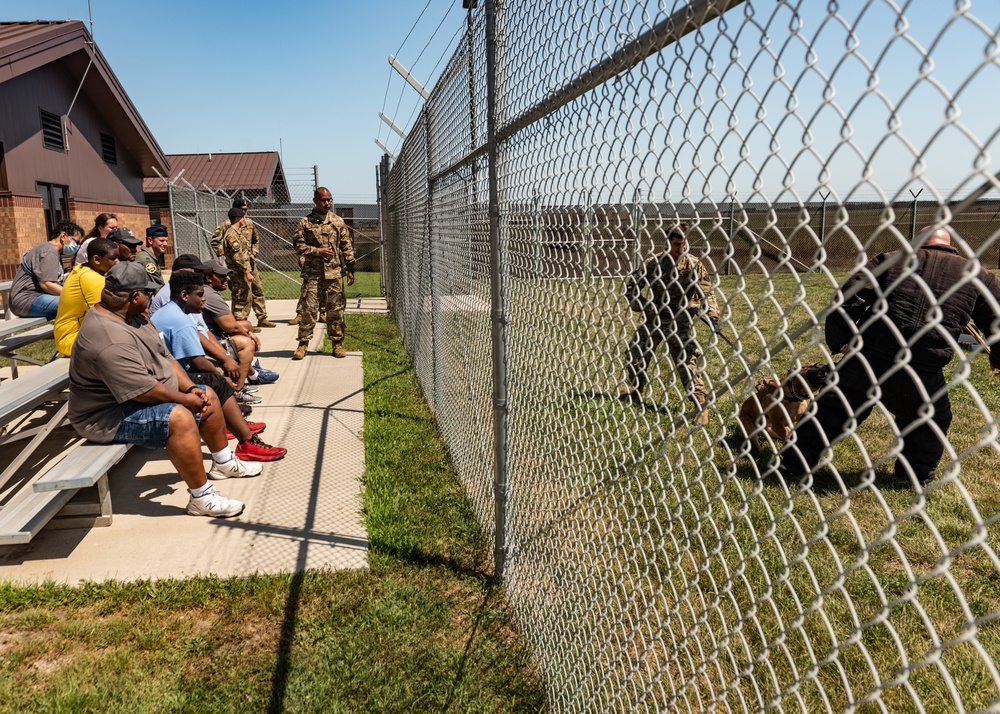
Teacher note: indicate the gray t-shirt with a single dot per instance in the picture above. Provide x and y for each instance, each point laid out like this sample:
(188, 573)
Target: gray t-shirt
(111, 364)
(215, 306)
(44, 262)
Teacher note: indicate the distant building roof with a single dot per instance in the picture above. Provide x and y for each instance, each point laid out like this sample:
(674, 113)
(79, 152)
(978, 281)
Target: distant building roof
(246, 171)
(25, 46)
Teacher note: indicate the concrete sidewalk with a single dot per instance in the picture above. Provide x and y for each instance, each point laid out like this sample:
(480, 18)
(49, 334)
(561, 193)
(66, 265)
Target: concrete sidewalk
(302, 512)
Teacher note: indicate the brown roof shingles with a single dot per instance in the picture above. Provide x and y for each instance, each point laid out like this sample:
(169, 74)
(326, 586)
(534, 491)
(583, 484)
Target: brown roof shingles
(226, 171)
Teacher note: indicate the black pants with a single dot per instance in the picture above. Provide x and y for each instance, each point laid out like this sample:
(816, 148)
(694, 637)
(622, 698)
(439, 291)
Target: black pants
(842, 409)
(214, 380)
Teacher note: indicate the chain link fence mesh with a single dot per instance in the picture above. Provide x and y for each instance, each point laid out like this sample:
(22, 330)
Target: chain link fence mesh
(654, 563)
(197, 211)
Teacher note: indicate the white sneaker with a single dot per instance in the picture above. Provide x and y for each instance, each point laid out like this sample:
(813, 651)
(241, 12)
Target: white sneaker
(234, 469)
(215, 505)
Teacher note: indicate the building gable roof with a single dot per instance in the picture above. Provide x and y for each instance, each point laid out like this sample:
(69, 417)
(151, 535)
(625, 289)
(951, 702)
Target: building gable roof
(246, 171)
(25, 46)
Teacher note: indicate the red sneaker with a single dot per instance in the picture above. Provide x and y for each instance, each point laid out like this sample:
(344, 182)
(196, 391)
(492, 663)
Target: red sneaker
(256, 427)
(256, 450)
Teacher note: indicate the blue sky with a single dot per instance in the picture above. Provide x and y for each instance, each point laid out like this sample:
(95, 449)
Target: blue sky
(310, 75)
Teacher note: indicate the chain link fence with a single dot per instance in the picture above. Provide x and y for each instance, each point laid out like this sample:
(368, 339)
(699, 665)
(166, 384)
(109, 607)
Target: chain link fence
(653, 562)
(197, 211)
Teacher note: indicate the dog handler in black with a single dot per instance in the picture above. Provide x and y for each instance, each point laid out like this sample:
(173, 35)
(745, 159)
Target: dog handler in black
(897, 334)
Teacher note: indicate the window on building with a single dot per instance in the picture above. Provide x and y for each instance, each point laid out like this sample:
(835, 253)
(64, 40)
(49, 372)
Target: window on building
(52, 136)
(108, 150)
(55, 204)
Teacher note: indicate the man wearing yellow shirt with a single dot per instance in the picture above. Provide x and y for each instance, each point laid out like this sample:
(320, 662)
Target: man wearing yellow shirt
(81, 291)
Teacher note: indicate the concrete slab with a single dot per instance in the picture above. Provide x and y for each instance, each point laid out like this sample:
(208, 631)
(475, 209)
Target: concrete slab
(302, 512)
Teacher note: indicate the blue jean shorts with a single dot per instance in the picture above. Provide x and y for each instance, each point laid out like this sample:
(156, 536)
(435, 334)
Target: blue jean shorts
(44, 306)
(148, 425)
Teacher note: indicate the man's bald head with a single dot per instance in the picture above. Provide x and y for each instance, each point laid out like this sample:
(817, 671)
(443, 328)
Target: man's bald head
(323, 200)
(939, 237)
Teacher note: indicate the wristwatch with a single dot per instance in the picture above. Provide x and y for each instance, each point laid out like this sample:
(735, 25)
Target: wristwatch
(188, 390)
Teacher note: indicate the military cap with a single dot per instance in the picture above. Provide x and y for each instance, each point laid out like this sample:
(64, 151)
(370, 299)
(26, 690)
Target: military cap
(156, 231)
(236, 213)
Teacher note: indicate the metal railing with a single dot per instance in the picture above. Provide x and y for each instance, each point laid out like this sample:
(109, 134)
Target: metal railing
(655, 562)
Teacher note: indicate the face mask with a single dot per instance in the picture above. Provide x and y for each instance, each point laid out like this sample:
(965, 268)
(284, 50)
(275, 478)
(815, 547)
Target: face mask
(71, 248)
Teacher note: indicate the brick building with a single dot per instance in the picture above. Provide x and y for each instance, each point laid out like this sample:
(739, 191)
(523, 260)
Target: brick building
(59, 159)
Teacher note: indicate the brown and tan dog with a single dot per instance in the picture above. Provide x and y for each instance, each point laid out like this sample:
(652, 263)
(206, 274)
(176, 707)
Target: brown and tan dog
(774, 408)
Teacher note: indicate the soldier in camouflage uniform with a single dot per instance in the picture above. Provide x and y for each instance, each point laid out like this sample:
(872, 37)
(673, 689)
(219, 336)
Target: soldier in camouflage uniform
(149, 255)
(323, 240)
(236, 241)
(680, 291)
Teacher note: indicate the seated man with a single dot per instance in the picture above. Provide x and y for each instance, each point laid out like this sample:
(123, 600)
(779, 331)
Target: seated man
(234, 355)
(128, 244)
(35, 289)
(232, 358)
(126, 389)
(81, 291)
(221, 321)
(187, 290)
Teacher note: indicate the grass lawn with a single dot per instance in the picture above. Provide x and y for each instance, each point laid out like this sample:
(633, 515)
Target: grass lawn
(285, 285)
(422, 629)
(722, 579)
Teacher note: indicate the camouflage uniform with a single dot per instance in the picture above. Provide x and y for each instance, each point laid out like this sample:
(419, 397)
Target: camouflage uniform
(317, 231)
(239, 245)
(147, 260)
(679, 292)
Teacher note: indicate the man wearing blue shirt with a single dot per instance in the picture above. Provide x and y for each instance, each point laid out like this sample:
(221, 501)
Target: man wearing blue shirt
(187, 296)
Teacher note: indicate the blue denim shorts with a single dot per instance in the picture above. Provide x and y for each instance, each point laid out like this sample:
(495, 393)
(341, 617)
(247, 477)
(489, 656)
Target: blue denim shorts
(148, 425)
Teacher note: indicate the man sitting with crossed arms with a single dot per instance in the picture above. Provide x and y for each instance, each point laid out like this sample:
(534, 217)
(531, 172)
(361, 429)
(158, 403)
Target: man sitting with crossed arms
(125, 388)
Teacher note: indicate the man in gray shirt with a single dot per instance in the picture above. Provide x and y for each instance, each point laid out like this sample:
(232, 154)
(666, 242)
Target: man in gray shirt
(35, 289)
(125, 388)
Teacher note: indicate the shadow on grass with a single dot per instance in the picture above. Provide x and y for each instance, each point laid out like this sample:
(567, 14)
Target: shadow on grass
(488, 594)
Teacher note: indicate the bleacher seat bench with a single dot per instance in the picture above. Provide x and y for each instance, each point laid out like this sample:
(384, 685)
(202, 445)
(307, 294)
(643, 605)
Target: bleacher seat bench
(11, 344)
(47, 501)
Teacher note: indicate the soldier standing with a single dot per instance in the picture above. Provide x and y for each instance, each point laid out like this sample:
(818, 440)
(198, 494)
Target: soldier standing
(236, 240)
(323, 240)
(679, 291)
(149, 255)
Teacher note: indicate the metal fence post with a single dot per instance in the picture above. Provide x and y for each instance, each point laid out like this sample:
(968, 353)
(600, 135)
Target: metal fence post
(913, 215)
(822, 220)
(498, 299)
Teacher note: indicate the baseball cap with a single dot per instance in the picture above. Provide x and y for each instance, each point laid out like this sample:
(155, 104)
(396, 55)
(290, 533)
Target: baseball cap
(124, 235)
(128, 276)
(190, 261)
(217, 266)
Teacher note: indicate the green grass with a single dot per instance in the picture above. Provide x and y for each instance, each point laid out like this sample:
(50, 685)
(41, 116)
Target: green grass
(285, 285)
(423, 629)
(716, 553)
